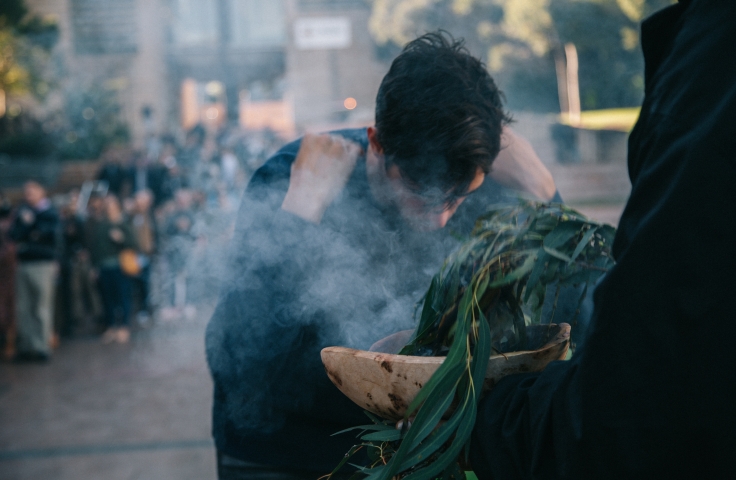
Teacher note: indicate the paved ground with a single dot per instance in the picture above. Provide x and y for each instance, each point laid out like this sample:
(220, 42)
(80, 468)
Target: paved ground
(136, 411)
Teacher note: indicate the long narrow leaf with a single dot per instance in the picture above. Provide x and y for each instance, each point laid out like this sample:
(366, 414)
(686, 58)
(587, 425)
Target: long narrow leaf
(345, 459)
(563, 233)
(536, 273)
(517, 273)
(582, 243)
(433, 442)
(481, 354)
(442, 379)
(379, 427)
(499, 276)
(454, 356)
(382, 436)
(453, 451)
(426, 420)
(428, 312)
(557, 254)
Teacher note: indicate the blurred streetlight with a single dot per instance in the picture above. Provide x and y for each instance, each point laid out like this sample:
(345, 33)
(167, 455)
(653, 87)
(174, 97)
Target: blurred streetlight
(350, 103)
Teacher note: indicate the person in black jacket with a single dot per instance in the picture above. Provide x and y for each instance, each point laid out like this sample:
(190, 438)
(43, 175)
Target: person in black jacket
(114, 172)
(36, 232)
(143, 175)
(651, 393)
(337, 238)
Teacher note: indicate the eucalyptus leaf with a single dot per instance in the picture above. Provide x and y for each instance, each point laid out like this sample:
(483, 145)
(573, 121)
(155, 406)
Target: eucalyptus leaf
(482, 299)
(583, 242)
(429, 416)
(383, 436)
(345, 459)
(433, 442)
(450, 455)
(517, 273)
(557, 254)
(366, 428)
(540, 264)
(562, 234)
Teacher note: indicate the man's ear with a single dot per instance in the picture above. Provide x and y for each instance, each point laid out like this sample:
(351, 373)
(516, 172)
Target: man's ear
(373, 140)
(374, 158)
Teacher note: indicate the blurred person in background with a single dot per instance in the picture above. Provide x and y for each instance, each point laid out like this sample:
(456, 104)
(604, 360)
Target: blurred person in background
(139, 173)
(109, 237)
(230, 167)
(154, 176)
(176, 177)
(206, 173)
(255, 150)
(180, 240)
(191, 153)
(69, 318)
(7, 281)
(95, 215)
(145, 232)
(36, 232)
(85, 275)
(114, 171)
(152, 142)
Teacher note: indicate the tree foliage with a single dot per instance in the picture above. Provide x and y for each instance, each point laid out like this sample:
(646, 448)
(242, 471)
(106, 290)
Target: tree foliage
(518, 40)
(91, 121)
(79, 123)
(25, 45)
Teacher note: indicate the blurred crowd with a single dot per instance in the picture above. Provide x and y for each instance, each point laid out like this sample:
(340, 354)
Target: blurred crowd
(141, 243)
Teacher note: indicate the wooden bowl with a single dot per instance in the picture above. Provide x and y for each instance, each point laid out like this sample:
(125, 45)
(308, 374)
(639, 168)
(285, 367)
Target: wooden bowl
(385, 384)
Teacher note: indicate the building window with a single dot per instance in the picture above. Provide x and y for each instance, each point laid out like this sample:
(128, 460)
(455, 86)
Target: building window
(256, 23)
(327, 5)
(104, 26)
(195, 22)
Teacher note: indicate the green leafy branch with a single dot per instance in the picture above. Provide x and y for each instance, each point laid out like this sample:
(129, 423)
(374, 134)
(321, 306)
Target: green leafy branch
(483, 299)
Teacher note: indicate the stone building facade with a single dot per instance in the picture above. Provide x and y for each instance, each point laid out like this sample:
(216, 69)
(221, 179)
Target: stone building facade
(276, 63)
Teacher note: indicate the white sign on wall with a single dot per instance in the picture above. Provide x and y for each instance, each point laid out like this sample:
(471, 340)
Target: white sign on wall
(322, 33)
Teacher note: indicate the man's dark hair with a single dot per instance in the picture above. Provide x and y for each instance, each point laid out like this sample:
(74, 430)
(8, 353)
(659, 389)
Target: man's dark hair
(439, 116)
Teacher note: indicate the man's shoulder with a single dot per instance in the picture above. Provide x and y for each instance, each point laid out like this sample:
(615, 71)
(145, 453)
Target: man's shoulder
(357, 135)
(278, 166)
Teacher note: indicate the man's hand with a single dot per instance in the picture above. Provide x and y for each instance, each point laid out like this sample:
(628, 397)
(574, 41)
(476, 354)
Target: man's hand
(319, 173)
(517, 166)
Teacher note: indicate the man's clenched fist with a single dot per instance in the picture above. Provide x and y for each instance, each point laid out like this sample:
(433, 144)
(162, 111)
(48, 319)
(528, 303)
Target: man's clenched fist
(319, 173)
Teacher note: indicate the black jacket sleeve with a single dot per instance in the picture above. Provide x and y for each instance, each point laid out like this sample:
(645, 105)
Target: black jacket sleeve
(37, 240)
(651, 393)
